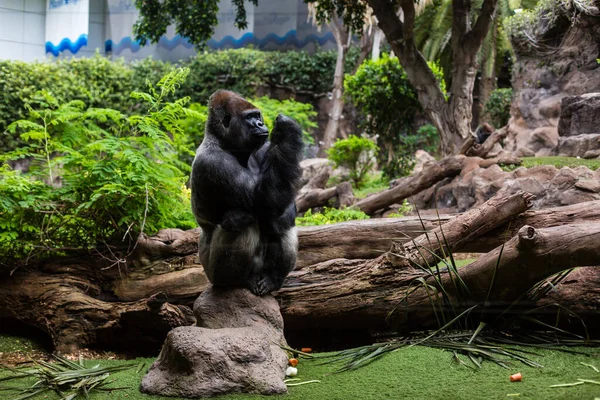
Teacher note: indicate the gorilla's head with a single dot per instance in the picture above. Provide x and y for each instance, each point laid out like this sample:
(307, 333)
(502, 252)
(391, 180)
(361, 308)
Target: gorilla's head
(237, 123)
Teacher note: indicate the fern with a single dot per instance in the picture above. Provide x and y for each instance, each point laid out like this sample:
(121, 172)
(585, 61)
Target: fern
(96, 177)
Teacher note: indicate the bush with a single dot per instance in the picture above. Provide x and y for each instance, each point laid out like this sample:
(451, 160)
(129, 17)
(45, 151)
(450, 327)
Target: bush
(305, 72)
(382, 91)
(330, 216)
(100, 82)
(240, 70)
(97, 177)
(498, 106)
(355, 153)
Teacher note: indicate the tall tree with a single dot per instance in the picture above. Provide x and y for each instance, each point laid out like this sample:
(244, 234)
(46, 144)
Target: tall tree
(452, 116)
(433, 29)
(343, 38)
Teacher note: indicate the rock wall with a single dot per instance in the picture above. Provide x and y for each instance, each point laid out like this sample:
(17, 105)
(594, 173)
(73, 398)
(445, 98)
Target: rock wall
(552, 187)
(542, 79)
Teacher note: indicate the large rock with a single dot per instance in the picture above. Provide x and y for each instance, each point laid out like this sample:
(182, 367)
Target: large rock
(200, 362)
(312, 167)
(578, 146)
(234, 349)
(541, 81)
(580, 115)
(551, 186)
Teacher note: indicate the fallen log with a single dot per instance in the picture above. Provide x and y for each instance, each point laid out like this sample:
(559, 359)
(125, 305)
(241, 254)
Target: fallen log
(344, 293)
(432, 173)
(314, 194)
(95, 302)
(429, 175)
(366, 239)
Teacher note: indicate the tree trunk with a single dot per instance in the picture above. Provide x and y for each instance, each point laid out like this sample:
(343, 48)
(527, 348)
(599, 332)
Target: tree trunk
(337, 101)
(487, 79)
(452, 118)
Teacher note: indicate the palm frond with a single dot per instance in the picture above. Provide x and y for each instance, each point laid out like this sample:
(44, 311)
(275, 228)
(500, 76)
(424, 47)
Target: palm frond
(64, 377)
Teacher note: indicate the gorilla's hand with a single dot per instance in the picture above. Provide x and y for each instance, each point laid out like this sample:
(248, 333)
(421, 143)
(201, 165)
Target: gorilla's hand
(263, 285)
(286, 130)
(236, 220)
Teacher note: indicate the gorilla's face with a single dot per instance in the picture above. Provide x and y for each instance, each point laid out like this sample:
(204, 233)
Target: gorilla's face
(237, 122)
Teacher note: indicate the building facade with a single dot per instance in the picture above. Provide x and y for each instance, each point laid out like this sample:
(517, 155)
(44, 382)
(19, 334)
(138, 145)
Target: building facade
(45, 29)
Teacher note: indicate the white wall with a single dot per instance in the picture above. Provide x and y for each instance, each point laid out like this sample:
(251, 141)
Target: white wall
(22, 29)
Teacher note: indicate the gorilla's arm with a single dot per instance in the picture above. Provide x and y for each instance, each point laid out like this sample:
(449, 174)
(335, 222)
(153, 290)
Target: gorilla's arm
(218, 180)
(279, 168)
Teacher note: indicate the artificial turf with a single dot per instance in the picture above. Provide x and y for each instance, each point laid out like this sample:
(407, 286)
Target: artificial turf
(411, 373)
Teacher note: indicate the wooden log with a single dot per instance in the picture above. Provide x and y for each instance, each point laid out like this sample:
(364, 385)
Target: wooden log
(431, 173)
(91, 302)
(429, 176)
(314, 194)
(482, 150)
(370, 238)
(343, 293)
(427, 249)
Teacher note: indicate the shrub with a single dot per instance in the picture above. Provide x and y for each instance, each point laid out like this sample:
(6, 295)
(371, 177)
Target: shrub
(355, 153)
(306, 72)
(240, 70)
(383, 93)
(100, 82)
(330, 216)
(303, 113)
(97, 177)
(498, 106)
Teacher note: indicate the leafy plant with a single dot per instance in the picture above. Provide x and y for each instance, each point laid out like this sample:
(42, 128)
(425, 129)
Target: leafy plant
(382, 91)
(303, 113)
(404, 209)
(355, 153)
(96, 177)
(498, 106)
(66, 378)
(330, 216)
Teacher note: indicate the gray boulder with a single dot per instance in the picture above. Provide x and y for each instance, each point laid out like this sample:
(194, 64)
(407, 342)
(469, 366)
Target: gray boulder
(579, 115)
(234, 349)
(578, 146)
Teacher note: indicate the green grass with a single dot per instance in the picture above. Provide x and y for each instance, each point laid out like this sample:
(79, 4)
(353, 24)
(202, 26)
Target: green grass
(558, 162)
(413, 373)
(374, 183)
(11, 343)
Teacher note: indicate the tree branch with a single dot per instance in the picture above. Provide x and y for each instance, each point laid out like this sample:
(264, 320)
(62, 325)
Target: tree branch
(482, 25)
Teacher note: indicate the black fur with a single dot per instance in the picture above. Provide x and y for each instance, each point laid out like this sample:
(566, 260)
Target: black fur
(483, 132)
(243, 192)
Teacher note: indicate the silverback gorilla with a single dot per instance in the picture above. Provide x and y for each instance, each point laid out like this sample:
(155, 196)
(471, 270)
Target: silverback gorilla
(243, 192)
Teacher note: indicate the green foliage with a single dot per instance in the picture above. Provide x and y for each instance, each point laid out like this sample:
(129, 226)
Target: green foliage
(97, 81)
(302, 71)
(404, 209)
(382, 91)
(96, 176)
(498, 106)
(239, 70)
(330, 216)
(303, 113)
(100, 82)
(374, 182)
(355, 153)
(429, 138)
(193, 19)
(533, 28)
(558, 162)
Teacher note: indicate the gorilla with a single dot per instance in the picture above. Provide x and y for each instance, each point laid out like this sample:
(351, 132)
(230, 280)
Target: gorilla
(483, 132)
(243, 195)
